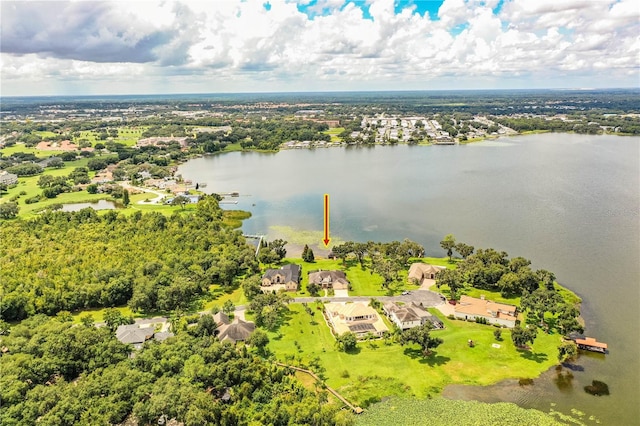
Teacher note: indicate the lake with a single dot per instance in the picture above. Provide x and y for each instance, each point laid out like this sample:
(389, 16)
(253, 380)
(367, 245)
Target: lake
(570, 203)
(97, 205)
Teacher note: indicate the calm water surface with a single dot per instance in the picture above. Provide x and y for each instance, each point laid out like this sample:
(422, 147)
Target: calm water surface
(570, 203)
(98, 205)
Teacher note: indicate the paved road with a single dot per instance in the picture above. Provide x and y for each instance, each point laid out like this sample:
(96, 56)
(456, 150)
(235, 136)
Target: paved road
(428, 298)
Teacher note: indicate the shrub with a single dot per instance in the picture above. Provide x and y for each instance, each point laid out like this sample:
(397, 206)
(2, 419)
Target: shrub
(451, 317)
(497, 334)
(33, 200)
(192, 319)
(23, 192)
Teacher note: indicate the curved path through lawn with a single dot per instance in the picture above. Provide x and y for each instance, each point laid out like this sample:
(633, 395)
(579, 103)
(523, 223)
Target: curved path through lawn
(160, 195)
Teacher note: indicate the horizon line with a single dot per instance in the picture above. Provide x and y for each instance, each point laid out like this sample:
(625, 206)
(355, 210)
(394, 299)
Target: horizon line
(558, 89)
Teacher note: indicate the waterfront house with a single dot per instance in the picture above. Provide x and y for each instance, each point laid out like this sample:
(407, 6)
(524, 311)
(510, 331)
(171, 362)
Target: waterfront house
(287, 278)
(410, 315)
(336, 280)
(418, 272)
(470, 308)
(356, 318)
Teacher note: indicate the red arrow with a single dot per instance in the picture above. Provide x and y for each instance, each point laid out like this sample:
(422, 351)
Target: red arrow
(326, 239)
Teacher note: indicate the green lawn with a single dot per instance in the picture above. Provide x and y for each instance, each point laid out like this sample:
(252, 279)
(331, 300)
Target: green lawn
(98, 314)
(30, 186)
(20, 147)
(334, 133)
(379, 369)
(363, 282)
(127, 135)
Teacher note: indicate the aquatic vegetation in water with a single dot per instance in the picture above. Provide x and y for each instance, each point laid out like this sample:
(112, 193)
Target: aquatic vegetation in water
(597, 388)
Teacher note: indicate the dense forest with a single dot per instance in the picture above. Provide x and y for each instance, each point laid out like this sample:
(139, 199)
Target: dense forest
(69, 261)
(56, 373)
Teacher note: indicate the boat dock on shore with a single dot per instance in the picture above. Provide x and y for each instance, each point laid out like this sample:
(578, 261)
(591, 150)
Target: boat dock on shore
(591, 344)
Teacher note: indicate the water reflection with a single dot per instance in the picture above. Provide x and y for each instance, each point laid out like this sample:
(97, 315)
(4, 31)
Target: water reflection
(98, 205)
(563, 379)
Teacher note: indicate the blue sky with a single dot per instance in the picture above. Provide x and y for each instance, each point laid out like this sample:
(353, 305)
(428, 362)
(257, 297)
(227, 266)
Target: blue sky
(314, 45)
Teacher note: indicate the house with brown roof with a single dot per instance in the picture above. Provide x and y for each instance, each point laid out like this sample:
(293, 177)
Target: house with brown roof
(237, 331)
(287, 278)
(336, 280)
(418, 272)
(356, 318)
(470, 308)
(410, 315)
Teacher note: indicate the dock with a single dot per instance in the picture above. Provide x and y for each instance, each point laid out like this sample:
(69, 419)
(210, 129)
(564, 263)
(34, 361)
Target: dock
(256, 237)
(591, 344)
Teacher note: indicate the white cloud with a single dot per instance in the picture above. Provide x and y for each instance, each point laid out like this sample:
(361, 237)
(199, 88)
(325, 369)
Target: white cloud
(240, 45)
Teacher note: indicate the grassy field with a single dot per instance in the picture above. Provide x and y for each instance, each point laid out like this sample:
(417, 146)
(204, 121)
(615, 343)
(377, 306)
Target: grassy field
(127, 135)
(334, 133)
(29, 185)
(19, 147)
(379, 369)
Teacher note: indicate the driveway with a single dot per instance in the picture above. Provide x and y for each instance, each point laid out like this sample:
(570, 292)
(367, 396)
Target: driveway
(157, 200)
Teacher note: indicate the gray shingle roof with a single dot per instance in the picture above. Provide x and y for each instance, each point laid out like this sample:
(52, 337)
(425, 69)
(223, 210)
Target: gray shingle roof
(238, 331)
(291, 273)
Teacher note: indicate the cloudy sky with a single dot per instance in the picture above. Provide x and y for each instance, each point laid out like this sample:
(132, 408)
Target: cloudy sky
(128, 47)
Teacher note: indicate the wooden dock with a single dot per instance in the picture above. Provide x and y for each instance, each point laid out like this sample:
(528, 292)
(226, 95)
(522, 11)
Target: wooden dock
(591, 344)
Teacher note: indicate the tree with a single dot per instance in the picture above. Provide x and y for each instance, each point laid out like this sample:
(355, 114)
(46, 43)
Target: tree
(567, 351)
(278, 248)
(406, 250)
(464, 250)
(448, 244)
(497, 333)
(567, 320)
(267, 255)
(539, 302)
(341, 251)
(113, 318)
(307, 254)
(521, 336)
(251, 286)
(45, 181)
(259, 340)
(421, 336)
(228, 307)
(180, 200)
(87, 320)
(206, 326)
(92, 188)
(388, 269)
(313, 289)
(452, 279)
(347, 342)
(360, 249)
(9, 210)
(125, 198)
